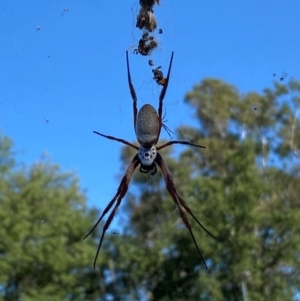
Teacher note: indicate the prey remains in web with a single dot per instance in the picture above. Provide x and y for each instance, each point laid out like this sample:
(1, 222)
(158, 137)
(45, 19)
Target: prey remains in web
(147, 125)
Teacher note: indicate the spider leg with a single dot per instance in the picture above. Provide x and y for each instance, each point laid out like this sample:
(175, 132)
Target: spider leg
(132, 91)
(164, 90)
(165, 126)
(188, 225)
(178, 142)
(122, 189)
(167, 130)
(187, 208)
(161, 98)
(117, 139)
(179, 201)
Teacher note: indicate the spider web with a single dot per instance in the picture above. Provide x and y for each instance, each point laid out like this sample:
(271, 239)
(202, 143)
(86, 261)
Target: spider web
(64, 75)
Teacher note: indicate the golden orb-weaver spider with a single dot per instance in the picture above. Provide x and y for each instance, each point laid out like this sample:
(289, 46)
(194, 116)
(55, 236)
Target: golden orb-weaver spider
(147, 124)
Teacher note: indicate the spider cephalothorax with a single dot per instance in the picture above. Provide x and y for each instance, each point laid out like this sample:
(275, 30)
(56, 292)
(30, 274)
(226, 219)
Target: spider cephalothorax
(147, 124)
(147, 156)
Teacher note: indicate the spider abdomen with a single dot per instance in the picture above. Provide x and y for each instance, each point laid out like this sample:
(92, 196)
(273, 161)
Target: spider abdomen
(147, 126)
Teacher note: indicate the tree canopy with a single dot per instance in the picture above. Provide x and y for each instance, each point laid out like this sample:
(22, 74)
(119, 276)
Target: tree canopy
(244, 188)
(43, 218)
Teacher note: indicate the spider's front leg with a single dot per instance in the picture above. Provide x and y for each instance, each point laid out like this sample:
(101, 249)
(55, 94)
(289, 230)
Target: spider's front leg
(116, 201)
(179, 202)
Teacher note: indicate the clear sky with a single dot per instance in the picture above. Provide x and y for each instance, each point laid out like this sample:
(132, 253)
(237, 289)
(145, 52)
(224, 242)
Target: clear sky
(61, 82)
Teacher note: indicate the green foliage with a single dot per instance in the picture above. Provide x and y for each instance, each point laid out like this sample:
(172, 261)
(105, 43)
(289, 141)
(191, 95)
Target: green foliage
(244, 188)
(43, 219)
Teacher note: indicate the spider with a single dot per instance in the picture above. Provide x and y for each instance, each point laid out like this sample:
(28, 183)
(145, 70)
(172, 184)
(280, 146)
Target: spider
(147, 124)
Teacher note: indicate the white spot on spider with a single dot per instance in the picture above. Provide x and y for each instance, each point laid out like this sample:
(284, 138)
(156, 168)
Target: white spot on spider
(147, 155)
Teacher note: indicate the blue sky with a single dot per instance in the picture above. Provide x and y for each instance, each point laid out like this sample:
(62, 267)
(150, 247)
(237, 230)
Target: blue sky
(72, 71)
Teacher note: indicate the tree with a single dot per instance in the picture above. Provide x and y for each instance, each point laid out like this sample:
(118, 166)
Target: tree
(243, 188)
(43, 220)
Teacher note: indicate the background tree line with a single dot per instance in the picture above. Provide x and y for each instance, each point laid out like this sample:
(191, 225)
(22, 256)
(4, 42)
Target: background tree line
(244, 187)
